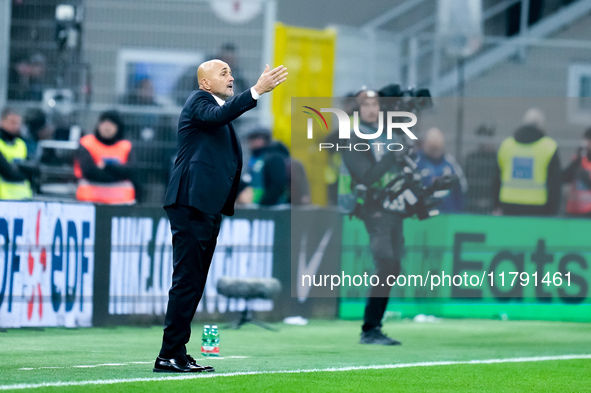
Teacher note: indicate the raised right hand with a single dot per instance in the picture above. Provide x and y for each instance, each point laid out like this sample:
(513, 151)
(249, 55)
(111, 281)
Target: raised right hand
(270, 79)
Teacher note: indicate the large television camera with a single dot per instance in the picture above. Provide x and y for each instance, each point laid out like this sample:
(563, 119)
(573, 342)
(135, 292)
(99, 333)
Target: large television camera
(406, 194)
(408, 189)
(410, 100)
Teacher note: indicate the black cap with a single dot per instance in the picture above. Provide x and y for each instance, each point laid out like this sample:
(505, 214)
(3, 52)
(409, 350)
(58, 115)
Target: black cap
(114, 117)
(259, 132)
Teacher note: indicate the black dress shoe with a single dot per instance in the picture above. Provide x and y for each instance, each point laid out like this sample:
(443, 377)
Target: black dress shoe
(194, 362)
(375, 336)
(179, 364)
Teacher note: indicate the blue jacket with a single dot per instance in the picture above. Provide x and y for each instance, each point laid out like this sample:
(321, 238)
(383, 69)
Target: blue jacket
(447, 165)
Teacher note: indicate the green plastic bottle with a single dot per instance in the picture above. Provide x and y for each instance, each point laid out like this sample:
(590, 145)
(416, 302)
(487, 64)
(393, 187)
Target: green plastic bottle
(215, 341)
(206, 341)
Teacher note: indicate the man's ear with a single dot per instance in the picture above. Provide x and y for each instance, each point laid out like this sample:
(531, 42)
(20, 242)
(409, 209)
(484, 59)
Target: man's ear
(204, 84)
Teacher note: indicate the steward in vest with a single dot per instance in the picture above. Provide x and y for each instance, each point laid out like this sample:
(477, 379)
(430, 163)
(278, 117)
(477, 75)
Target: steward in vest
(529, 175)
(578, 174)
(103, 164)
(364, 175)
(14, 175)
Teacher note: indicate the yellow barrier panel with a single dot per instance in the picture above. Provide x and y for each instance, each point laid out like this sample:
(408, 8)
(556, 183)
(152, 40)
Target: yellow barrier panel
(308, 55)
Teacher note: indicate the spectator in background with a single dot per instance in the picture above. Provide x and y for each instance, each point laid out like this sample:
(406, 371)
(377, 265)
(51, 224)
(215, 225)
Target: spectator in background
(528, 180)
(144, 125)
(38, 129)
(273, 177)
(332, 169)
(104, 163)
(481, 166)
(334, 160)
(433, 163)
(578, 174)
(298, 185)
(14, 176)
(229, 54)
(266, 169)
(142, 94)
(27, 79)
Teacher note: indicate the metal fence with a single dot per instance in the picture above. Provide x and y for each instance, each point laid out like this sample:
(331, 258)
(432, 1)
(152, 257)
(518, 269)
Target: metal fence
(78, 58)
(139, 56)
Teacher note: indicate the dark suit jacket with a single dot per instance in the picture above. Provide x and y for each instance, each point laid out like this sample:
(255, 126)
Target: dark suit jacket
(206, 172)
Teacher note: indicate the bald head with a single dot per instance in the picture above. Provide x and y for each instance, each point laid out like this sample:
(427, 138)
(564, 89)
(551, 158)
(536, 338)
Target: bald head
(215, 76)
(534, 117)
(207, 68)
(434, 144)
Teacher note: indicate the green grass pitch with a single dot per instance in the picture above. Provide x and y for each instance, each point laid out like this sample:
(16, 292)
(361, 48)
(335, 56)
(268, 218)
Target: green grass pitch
(323, 356)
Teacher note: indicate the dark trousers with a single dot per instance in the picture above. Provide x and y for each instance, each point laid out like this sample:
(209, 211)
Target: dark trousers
(387, 247)
(194, 237)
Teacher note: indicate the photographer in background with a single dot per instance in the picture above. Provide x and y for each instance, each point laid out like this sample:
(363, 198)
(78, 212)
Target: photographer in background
(578, 174)
(371, 171)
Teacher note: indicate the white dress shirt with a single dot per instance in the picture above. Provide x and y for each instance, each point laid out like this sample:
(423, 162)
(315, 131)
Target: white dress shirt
(255, 96)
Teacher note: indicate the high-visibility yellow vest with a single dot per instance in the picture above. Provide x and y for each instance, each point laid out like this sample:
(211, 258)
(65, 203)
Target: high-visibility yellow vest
(14, 152)
(524, 171)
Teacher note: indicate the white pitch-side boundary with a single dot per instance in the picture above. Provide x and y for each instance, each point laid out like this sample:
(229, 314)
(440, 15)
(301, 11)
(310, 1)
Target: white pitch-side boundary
(331, 369)
(120, 364)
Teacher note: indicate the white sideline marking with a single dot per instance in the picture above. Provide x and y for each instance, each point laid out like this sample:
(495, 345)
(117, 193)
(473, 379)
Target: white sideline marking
(98, 365)
(85, 365)
(121, 364)
(112, 364)
(331, 369)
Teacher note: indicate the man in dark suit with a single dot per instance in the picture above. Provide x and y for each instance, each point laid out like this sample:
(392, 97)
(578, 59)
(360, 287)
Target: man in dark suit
(203, 185)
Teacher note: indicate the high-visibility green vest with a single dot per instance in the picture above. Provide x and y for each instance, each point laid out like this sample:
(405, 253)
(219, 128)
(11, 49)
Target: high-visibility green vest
(14, 152)
(524, 171)
(347, 184)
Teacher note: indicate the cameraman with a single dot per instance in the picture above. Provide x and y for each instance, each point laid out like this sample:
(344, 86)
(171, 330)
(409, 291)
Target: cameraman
(371, 171)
